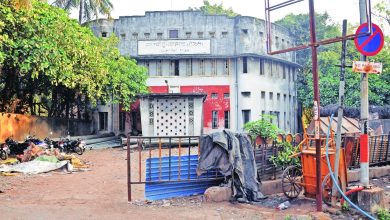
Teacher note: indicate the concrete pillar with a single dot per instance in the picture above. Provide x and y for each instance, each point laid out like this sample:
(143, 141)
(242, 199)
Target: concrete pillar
(370, 199)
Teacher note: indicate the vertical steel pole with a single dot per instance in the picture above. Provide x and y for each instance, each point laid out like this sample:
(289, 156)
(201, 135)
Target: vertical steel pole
(128, 171)
(340, 110)
(364, 146)
(317, 101)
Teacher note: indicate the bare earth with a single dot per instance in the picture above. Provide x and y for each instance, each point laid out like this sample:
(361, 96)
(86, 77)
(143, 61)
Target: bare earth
(101, 193)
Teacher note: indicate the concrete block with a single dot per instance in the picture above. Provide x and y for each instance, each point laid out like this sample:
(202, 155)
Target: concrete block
(371, 199)
(271, 187)
(218, 194)
(375, 172)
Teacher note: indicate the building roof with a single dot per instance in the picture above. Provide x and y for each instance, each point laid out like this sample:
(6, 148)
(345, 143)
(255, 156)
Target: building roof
(348, 126)
(173, 95)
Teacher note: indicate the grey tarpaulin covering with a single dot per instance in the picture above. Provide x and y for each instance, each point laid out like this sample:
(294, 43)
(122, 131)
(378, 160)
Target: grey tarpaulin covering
(227, 151)
(33, 167)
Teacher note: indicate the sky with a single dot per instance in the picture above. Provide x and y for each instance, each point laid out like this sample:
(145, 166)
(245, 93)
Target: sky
(338, 9)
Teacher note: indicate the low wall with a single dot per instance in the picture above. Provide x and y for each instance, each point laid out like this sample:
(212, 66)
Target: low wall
(19, 126)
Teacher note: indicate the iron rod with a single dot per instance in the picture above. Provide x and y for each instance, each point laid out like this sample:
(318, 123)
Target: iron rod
(139, 158)
(317, 99)
(169, 159)
(179, 159)
(128, 171)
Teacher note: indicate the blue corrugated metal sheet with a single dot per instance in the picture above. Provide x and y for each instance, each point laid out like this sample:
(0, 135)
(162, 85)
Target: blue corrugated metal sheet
(170, 171)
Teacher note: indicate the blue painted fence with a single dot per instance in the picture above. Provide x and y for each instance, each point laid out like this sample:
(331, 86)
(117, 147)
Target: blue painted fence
(168, 170)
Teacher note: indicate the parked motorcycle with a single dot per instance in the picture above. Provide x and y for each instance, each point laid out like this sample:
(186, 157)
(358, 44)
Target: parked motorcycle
(14, 147)
(68, 146)
(4, 151)
(36, 141)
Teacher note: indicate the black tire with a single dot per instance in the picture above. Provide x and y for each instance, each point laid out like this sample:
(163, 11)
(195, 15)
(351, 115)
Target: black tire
(291, 182)
(3, 155)
(78, 150)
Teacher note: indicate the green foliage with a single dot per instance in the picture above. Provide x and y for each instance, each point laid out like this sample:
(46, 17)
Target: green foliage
(216, 9)
(383, 214)
(263, 127)
(328, 57)
(345, 207)
(285, 157)
(88, 9)
(48, 58)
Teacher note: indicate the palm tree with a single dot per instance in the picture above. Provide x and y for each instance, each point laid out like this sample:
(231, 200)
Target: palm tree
(21, 4)
(88, 9)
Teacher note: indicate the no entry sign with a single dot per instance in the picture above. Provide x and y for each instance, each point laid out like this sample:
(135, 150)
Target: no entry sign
(372, 44)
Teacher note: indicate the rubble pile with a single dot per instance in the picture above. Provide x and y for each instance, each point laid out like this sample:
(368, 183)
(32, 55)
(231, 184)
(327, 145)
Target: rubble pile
(36, 159)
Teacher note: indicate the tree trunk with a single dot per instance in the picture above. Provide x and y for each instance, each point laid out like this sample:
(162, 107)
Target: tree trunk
(81, 11)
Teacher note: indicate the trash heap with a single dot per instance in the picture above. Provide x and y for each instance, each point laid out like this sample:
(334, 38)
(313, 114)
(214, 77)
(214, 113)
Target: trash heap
(36, 159)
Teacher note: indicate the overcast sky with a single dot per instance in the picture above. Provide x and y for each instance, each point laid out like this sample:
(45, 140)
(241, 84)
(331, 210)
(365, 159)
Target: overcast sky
(338, 9)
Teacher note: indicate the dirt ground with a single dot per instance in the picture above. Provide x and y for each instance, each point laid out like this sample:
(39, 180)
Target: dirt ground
(101, 193)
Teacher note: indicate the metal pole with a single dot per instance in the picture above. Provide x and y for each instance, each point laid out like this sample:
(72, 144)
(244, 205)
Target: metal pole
(340, 111)
(316, 101)
(364, 146)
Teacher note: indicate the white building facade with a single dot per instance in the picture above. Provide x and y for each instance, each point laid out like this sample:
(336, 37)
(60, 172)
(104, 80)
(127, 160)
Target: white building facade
(223, 57)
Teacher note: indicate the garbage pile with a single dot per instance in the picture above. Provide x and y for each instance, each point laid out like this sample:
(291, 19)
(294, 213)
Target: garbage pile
(36, 159)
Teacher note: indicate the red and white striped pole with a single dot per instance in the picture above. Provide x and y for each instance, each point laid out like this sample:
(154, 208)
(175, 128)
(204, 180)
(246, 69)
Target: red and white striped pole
(364, 159)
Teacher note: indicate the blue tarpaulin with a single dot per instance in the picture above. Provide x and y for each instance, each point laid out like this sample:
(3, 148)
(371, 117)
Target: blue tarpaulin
(167, 169)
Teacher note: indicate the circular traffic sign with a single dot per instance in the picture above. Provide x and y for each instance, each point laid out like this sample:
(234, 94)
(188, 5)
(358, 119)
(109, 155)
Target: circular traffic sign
(369, 45)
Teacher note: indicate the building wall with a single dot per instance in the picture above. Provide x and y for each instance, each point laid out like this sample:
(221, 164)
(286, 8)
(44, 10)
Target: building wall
(268, 86)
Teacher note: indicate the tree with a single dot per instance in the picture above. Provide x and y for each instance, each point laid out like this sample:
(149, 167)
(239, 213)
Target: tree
(88, 9)
(382, 11)
(328, 57)
(216, 9)
(51, 62)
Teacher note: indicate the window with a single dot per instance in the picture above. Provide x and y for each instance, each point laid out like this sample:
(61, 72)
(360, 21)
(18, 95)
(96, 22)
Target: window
(245, 31)
(214, 119)
(159, 36)
(214, 67)
(284, 121)
(284, 72)
(201, 67)
(278, 97)
(159, 68)
(188, 35)
(227, 119)
(282, 43)
(173, 34)
(271, 95)
(212, 34)
(224, 34)
(277, 42)
(261, 61)
(122, 120)
(214, 95)
(123, 36)
(226, 95)
(261, 35)
(262, 94)
(200, 34)
(104, 34)
(189, 67)
(175, 65)
(147, 65)
(246, 94)
(133, 121)
(262, 112)
(246, 116)
(103, 121)
(147, 35)
(245, 65)
(135, 35)
(226, 69)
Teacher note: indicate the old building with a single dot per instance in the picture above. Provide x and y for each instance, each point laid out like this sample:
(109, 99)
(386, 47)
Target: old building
(223, 57)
